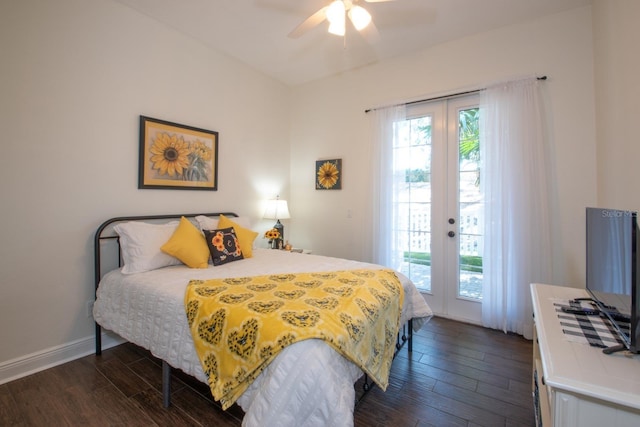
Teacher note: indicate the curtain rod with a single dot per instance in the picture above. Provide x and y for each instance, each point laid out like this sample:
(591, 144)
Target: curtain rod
(452, 95)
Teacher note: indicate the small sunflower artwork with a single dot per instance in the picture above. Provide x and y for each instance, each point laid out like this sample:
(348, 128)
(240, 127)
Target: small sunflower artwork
(174, 156)
(329, 174)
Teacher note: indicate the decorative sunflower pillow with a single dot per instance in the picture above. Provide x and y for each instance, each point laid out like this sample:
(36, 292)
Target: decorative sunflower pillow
(223, 245)
(245, 235)
(241, 224)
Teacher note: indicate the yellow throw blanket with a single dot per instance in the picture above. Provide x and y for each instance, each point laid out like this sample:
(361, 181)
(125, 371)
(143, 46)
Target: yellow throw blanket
(240, 324)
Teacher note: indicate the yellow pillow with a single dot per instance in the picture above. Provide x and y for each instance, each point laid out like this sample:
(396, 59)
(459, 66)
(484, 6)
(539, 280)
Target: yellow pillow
(245, 235)
(188, 245)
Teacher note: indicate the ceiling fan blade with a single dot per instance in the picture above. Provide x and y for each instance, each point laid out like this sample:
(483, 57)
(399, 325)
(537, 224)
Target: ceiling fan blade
(309, 23)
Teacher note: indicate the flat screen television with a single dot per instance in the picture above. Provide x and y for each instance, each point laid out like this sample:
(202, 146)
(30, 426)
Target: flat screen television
(612, 271)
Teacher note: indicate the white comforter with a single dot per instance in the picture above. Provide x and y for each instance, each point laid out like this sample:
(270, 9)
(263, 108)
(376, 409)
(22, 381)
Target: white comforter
(308, 384)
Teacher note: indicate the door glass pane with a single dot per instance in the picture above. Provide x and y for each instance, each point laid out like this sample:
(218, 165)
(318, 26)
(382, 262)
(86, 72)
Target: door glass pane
(470, 214)
(412, 170)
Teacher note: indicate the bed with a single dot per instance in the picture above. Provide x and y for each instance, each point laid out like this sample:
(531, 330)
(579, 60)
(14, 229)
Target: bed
(308, 383)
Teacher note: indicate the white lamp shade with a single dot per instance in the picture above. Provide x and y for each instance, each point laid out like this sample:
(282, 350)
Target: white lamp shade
(337, 29)
(335, 11)
(276, 209)
(335, 15)
(359, 17)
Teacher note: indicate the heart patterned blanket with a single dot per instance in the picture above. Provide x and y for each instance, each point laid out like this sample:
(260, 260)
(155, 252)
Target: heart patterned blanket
(240, 324)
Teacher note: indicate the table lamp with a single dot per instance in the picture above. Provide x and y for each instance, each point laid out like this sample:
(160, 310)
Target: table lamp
(277, 209)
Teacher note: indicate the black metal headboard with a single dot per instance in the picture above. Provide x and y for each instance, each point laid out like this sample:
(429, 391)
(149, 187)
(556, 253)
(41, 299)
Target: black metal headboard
(103, 234)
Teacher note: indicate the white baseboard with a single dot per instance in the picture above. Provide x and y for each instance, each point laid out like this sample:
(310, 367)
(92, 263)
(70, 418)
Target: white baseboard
(54, 356)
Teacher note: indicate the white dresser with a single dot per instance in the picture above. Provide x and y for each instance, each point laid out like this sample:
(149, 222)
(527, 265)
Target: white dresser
(579, 385)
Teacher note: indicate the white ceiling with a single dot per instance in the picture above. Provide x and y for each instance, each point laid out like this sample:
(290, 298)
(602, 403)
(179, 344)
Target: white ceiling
(255, 31)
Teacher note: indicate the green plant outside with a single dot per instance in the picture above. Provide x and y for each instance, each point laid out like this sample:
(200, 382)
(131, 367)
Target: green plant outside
(469, 134)
(471, 263)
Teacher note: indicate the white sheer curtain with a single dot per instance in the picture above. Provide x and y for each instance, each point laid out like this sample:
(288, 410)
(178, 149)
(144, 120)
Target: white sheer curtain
(515, 176)
(383, 179)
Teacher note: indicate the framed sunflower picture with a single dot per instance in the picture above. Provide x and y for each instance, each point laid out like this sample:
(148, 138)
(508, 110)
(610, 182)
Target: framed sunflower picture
(178, 157)
(329, 174)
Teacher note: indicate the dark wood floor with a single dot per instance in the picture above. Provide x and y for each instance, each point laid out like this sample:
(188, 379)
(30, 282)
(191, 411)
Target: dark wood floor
(457, 375)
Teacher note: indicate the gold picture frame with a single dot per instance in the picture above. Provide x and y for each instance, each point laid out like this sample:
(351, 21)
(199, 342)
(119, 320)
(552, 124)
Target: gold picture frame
(177, 157)
(329, 174)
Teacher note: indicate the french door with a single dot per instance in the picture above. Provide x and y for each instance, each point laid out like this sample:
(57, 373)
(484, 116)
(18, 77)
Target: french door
(438, 205)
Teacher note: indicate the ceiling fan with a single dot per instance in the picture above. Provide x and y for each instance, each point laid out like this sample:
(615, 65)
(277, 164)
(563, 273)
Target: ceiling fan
(336, 13)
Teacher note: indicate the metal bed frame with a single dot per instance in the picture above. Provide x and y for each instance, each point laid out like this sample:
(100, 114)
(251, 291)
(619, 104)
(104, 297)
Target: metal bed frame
(105, 233)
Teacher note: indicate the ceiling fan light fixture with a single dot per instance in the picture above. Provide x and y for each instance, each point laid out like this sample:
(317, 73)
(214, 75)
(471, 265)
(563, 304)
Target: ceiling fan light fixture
(337, 28)
(336, 16)
(335, 12)
(359, 17)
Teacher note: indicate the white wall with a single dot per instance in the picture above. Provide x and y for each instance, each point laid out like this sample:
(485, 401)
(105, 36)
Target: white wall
(617, 71)
(328, 122)
(76, 75)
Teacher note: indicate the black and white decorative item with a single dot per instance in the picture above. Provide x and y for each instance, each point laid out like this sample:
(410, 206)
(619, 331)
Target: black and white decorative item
(277, 209)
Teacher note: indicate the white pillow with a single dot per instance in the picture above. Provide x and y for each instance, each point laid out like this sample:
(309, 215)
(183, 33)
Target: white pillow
(140, 243)
(207, 223)
(210, 223)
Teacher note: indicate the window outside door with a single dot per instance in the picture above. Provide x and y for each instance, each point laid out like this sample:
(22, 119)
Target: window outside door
(438, 202)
